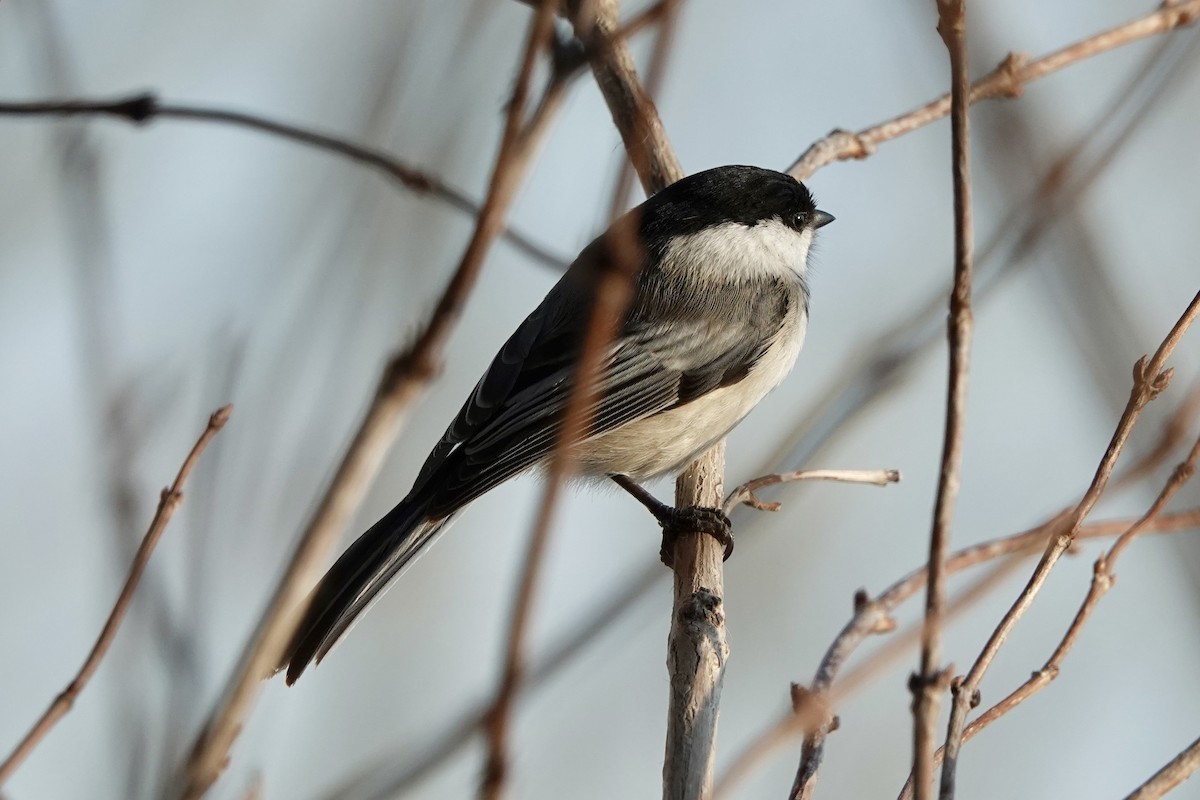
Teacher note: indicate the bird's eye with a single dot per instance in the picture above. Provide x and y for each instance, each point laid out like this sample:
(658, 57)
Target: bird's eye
(801, 219)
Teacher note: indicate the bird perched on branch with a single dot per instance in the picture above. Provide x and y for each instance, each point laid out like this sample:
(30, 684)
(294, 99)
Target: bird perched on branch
(717, 318)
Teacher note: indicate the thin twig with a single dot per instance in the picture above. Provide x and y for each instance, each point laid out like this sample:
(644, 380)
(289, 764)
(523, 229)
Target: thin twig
(931, 679)
(145, 107)
(1007, 80)
(813, 709)
(1149, 379)
(168, 501)
(746, 492)
(405, 377)
(1175, 772)
(1102, 580)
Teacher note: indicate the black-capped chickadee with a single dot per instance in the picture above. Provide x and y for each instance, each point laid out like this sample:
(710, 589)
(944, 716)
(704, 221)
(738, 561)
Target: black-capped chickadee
(716, 321)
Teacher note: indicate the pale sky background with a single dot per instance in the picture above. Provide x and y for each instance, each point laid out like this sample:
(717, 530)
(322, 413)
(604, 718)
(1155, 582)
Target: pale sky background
(161, 272)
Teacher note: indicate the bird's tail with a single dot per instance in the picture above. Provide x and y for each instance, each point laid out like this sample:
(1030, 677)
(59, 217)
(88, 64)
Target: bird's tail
(356, 579)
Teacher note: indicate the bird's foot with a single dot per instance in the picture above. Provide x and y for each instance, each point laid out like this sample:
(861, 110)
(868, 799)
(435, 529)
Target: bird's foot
(676, 521)
(693, 519)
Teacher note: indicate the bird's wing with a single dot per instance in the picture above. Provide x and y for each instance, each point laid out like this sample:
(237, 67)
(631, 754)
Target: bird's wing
(512, 418)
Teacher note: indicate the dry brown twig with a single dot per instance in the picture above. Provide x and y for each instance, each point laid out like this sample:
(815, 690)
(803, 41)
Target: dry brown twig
(145, 107)
(1150, 377)
(168, 501)
(405, 377)
(1103, 579)
(1175, 772)
(1007, 80)
(813, 705)
(613, 294)
(931, 679)
(746, 492)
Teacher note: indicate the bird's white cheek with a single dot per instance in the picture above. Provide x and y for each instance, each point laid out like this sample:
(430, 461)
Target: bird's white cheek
(731, 250)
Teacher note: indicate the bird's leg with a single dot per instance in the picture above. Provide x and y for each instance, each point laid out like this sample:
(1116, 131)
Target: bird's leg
(675, 521)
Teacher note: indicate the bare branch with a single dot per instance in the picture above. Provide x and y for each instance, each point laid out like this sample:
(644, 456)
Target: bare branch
(1007, 80)
(812, 711)
(169, 500)
(746, 492)
(1102, 580)
(145, 107)
(1175, 772)
(1150, 378)
(405, 377)
(928, 683)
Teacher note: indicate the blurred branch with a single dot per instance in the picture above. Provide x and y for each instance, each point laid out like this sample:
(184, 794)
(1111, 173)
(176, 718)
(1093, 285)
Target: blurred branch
(697, 647)
(1150, 378)
(667, 15)
(145, 107)
(813, 705)
(405, 376)
(633, 112)
(746, 492)
(613, 293)
(931, 680)
(1175, 772)
(1007, 80)
(169, 500)
(1102, 580)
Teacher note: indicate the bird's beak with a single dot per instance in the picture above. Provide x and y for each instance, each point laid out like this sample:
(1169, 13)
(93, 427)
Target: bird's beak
(822, 218)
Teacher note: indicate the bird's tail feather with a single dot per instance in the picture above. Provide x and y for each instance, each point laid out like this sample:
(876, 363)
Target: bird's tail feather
(356, 579)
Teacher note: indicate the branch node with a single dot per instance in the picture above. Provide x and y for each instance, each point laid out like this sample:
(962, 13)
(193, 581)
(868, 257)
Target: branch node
(804, 700)
(938, 681)
(415, 364)
(568, 54)
(139, 109)
(850, 144)
(704, 606)
(1008, 75)
(862, 598)
(754, 501)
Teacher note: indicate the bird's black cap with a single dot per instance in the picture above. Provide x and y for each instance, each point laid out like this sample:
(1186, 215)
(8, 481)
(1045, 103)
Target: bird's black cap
(737, 193)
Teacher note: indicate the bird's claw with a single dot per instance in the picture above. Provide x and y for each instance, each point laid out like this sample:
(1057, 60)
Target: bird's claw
(694, 519)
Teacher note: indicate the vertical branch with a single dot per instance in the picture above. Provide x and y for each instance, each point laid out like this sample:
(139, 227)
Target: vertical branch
(697, 648)
(405, 377)
(928, 684)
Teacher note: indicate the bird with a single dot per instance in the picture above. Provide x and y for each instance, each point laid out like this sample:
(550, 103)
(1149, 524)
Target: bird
(718, 315)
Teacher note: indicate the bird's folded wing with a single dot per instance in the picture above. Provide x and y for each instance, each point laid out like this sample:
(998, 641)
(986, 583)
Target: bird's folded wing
(513, 417)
